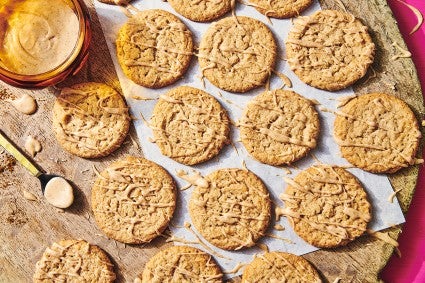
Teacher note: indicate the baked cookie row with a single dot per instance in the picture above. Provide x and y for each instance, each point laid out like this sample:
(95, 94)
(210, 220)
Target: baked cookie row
(79, 261)
(376, 132)
(329, 50)
(207, 10)
(133, 201)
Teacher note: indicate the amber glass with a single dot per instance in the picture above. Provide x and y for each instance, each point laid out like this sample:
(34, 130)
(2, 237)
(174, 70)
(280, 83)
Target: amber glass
(69, 67)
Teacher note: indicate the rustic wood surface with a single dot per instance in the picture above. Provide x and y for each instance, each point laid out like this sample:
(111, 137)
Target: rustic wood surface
(28, 227)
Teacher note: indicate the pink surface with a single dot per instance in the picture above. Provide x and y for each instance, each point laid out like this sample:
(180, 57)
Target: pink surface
(411, 266)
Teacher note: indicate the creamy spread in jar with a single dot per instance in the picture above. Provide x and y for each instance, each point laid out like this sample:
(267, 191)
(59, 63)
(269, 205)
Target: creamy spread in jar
(36, 36)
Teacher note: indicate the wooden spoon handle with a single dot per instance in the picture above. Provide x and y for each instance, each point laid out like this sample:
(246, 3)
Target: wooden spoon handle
(15, 152)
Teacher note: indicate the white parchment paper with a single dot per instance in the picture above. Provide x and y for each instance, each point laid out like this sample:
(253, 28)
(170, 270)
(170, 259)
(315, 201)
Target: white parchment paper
(378, 187)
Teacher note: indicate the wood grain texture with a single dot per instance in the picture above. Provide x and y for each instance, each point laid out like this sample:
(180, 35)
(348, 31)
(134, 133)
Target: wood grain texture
(27, 228)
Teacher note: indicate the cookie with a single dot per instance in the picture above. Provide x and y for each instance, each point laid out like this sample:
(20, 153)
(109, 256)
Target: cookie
(74, 261)
(90, 119)
(133, 200)
(279, 127)
(181, 264)
(201, 10)
(189, 125)
(154, 48)
(233, 211)
(329, 50)
(326, 206)
(115, 2)
(280, 267)
(280, 9)
(237, 56)
(377, 132)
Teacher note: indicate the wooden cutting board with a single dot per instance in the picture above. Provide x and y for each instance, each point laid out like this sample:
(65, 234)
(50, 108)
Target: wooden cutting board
(28, 227)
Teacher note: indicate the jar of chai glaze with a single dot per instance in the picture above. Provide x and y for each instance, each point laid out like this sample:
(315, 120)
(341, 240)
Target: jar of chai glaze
(42, 42)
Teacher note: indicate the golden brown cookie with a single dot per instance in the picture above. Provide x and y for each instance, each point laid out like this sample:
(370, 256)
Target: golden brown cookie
(326, 205)
(280, 267)
(181, 264)
(90, 119)
(74, 261)
(201, 10)
(115, 2)
(281, 9)
(154, 48)
(329, 50)
(189, 125)
(377, 132)
(237, 57)
(133, 200)
(279, 127)
(233, 211)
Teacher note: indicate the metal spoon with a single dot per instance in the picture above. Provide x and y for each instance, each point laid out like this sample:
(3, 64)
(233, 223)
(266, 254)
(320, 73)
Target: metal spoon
(52, 193)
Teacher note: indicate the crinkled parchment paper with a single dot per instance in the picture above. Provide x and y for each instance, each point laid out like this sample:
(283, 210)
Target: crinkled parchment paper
(378, 187)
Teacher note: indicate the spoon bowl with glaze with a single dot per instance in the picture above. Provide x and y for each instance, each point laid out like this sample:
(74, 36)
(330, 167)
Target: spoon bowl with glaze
(56, 189)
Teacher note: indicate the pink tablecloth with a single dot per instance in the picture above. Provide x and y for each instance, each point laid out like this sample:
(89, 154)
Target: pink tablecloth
(411, 266)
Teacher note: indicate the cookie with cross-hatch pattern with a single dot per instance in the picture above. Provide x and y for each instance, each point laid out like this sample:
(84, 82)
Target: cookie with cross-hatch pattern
(281, 9)
(74, 261)
(182, 264)
(154, 48)
(233, 210)
(280, 267)
(90, 119)
(202, 10)
(279, 127)
(329, 50)
(326, 206)
(237, 54)
(377, 132)
(133, 200)
(189, 125)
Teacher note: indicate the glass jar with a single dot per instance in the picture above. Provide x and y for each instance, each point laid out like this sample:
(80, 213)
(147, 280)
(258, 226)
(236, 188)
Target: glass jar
(42, 42)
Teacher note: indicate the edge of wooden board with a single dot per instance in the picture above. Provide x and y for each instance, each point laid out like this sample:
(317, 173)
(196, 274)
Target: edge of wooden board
(362, 260)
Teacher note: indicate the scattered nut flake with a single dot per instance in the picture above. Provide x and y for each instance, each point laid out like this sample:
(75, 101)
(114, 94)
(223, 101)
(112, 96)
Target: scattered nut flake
(29, 196)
